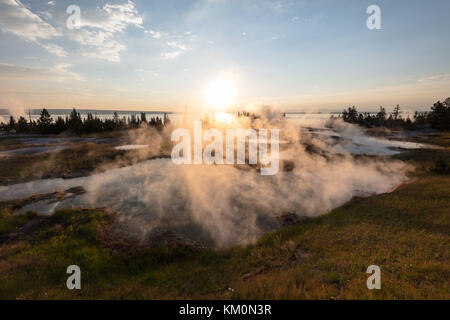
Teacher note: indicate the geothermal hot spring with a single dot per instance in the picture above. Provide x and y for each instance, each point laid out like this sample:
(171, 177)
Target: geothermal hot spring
(221, 206)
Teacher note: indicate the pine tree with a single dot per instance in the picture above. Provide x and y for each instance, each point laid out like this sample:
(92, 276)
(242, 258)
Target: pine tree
(396, 112)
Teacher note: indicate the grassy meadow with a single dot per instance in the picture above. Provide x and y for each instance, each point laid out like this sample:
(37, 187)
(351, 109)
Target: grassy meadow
(405, 232)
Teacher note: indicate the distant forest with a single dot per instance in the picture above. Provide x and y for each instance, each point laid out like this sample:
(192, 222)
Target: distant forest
(76, 124)
(438, 118)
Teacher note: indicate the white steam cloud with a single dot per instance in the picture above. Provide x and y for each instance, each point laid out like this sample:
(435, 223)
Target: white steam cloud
(222, 205)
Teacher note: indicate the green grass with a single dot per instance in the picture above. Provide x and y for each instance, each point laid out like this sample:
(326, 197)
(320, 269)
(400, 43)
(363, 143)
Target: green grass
(405, 232)
(10, 223)
(429, 160)
(79, 159)
(440, 139)
(83, 157)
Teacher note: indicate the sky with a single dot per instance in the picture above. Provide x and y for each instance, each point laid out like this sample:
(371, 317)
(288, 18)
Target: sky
(162, 55)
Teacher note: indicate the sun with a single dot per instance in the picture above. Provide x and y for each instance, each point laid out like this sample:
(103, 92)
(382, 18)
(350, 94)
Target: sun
(220, 94)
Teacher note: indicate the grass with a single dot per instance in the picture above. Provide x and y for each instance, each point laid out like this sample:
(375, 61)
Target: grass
(10, 223)
(78, 159)
(81, 158)
(429, 160)
(405, 232)
(440, 139)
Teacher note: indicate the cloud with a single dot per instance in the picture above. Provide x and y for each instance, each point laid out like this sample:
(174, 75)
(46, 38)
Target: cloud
(171, 55)
(112, 18)
(99, 26)
(57, 73)
(154, 34)
(109, 51)
(46, 15)
(16, 19)
(54, 49)
(278, 6)
(96, 37)
(98, 44)
(176, 44)
(173, 46)
(440, 77)
(178, 48)
(98, 34)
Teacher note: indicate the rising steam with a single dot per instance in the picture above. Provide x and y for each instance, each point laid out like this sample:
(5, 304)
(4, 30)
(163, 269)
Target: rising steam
(224, 205)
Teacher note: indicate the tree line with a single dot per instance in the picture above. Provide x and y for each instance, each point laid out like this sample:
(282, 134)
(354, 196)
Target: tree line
(74, 123)
(438, 118)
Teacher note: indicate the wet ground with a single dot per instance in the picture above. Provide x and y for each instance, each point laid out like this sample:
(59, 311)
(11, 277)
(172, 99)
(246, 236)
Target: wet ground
(15, 145)
(155, 196)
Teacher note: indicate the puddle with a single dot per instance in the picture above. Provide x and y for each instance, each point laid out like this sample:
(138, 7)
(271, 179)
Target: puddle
(132, 147)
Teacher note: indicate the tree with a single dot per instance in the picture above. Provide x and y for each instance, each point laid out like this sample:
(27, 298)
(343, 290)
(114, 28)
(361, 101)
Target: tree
(22, 125)
(143, 117)
(396, 112)
(12, 123)
(167, 119)
(381, 116)
(75, 123)
(45, 117)
(350, 115)
(45, 121)
(440, 115)
(60, 125)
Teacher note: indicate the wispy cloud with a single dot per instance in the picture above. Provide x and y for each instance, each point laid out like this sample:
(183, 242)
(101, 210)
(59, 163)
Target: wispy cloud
(112, 18)
(99, 26)
(54, 49)
(175, 48)
(16, 19)
(177, 45)
(171, 55)
(154, 34)
(57, 73)
(440, 77)
(96, 35)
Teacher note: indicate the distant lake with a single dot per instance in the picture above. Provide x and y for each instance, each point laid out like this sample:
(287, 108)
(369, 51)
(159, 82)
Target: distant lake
(173, 116)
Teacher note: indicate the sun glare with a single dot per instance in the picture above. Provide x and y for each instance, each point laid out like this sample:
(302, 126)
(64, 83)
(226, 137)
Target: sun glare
(220, 94)
(224, 117)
